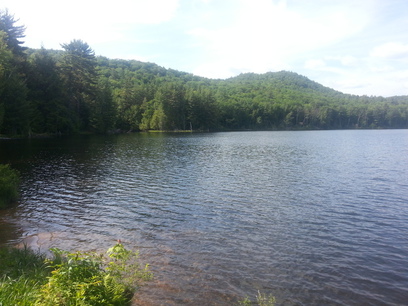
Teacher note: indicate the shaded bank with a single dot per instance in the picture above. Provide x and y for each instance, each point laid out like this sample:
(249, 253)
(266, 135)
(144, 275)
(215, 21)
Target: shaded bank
(9, 185)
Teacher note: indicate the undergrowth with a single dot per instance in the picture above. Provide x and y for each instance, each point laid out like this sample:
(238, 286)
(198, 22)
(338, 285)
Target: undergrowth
(80, 278)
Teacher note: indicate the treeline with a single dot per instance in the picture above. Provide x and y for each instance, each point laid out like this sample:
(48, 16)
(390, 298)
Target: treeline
(71, 91)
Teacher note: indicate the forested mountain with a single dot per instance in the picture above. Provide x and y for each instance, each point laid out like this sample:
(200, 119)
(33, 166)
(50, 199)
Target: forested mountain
(71, 91)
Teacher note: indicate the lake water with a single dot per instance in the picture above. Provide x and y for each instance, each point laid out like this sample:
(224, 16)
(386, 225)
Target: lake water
(312, 217)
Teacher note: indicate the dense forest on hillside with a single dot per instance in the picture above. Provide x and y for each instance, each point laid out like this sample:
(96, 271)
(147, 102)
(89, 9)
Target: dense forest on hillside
(72, 90)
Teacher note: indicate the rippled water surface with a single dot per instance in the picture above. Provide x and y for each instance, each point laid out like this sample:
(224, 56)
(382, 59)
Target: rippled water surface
(314, 217)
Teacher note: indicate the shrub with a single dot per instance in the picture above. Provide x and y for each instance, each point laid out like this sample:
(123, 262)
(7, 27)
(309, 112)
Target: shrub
(9, 185)
(80, 278)
(92, 279)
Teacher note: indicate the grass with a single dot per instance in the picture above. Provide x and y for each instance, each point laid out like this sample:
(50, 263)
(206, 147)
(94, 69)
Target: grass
(80, 278)
(22, 273)
(9, 185)
(261, 300)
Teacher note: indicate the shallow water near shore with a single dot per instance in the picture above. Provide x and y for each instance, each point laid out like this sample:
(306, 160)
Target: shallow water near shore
(312, 217)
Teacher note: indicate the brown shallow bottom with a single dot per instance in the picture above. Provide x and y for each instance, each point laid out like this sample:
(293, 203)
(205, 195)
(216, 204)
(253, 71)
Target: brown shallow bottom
(167, 286)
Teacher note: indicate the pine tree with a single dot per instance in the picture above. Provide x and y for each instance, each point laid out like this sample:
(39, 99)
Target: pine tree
(14, 110)
(49, 110)
(78, 69)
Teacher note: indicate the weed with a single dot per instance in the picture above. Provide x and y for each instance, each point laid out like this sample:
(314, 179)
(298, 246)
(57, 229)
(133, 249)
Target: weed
(80, 278)
(261, 300)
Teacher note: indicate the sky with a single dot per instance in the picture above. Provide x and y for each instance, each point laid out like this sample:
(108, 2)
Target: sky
(353, 46)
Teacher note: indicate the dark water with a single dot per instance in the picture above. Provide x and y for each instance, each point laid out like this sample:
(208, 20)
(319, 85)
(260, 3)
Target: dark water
(314, 218)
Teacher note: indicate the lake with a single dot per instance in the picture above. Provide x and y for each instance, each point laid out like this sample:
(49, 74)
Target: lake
(312, 217)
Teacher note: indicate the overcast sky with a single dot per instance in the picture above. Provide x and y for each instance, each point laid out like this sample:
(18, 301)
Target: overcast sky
(354, 46)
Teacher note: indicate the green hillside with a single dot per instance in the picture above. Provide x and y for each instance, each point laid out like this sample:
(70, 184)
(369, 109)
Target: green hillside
(71, 91)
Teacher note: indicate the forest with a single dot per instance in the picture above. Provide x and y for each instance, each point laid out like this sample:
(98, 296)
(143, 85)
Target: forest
(68, 91)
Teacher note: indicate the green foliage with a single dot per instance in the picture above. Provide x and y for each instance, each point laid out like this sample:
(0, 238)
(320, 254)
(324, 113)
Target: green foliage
(16, 262)
(5, 55)
(22, 272)
(9, 185)
(61, 92)
(92, 279)
(5, 60)
(14, 32)
(14, 111)
(80, 278)
(103, 111)
(124, 267)
(50, 111)
(15, 105)
(78, 72)
(261, 300)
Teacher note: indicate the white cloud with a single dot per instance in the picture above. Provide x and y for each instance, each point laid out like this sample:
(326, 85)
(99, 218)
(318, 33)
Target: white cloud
(391, 50)
(216, 70)
(93, 21)
(364, 80)
(266, 35)
(117, 12)
(355, 46)
(352, 83)
(332, 63)
(379, 68)
(315, 64)
(348, 60)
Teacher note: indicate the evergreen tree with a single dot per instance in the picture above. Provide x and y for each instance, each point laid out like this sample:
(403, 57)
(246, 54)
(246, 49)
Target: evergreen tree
(201, 109)
(14, 110)
(103, 111)
(78, 69)
(14, 33)
(126, 106)
(49, 109)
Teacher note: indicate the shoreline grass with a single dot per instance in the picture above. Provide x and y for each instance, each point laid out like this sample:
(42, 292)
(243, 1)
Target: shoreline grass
(22, 273)
(80, 278)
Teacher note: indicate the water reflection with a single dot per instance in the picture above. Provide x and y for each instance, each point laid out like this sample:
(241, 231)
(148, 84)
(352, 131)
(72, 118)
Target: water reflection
(312, 217)
(10, 232)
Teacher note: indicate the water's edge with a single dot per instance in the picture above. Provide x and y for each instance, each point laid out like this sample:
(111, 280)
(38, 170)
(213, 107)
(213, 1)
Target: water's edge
(312, 217)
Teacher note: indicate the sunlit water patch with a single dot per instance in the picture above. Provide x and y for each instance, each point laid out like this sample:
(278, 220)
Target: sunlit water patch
(318, 217)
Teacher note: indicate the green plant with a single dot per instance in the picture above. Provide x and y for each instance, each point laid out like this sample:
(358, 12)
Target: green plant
(20, 261)
(123, 266)
(80, 278)
(9, 185)
(92, 279)
(22, 273)
(261, 300)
